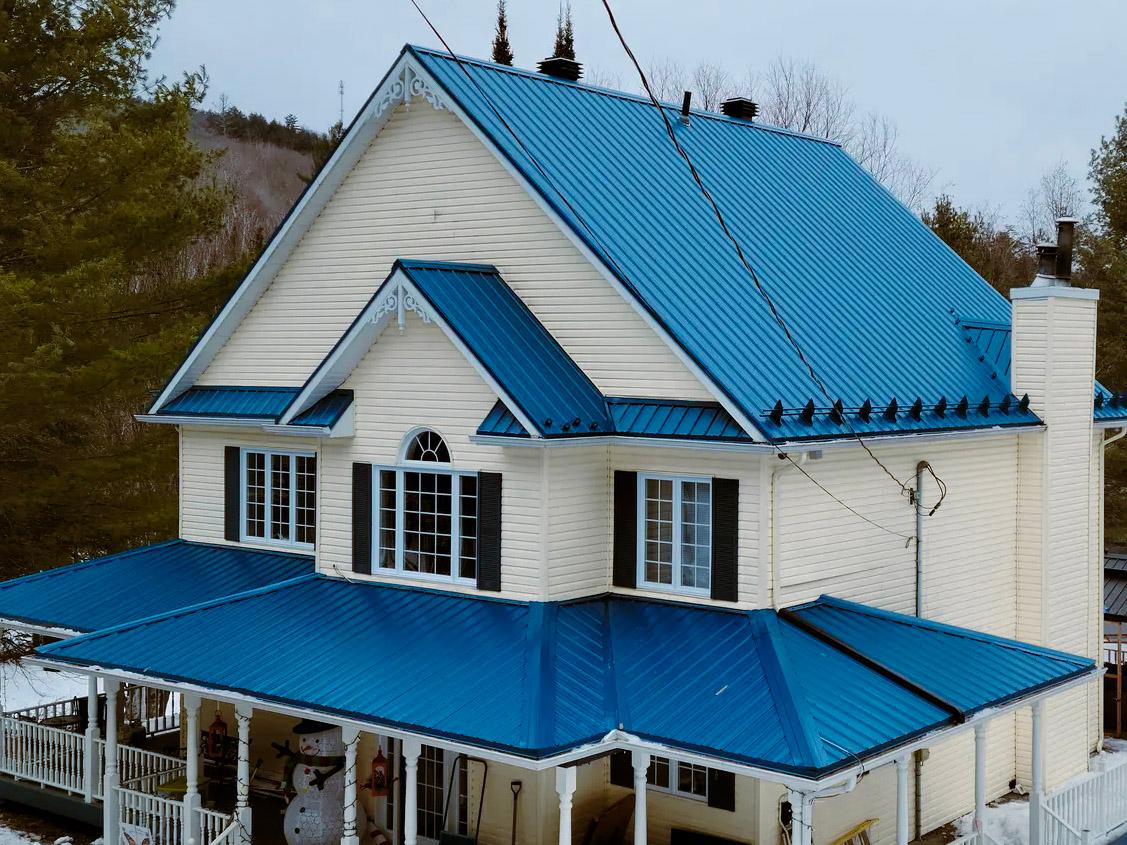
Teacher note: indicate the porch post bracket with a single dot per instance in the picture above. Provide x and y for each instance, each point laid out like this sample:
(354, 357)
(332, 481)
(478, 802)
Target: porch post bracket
(565, 788)
(350, 834)
(412, 748)
(641, 761)
(957, 715)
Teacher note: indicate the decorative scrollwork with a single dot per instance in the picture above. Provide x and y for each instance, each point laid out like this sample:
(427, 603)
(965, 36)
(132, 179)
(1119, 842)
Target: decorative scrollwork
(387, 305)
(419, 87)
(412, 304)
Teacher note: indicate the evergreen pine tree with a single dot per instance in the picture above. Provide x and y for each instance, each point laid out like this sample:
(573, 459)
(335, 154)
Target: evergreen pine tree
(502, 50)
(101, 196)
(565, 36)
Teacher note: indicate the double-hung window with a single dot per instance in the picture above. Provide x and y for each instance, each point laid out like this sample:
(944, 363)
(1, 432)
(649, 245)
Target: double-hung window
(677, 778)
(426, 514)
(675, 533)
(279, 502)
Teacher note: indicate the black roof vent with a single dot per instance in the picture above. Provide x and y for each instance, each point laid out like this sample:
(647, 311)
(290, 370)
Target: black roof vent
(561, 68)
(740, 108)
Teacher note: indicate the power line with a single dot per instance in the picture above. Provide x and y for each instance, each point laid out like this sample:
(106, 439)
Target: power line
(720, 219)
(606, 254)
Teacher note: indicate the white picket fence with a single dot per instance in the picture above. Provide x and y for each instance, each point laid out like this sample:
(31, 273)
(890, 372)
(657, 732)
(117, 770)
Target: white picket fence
(162, 817)
(1087, 811)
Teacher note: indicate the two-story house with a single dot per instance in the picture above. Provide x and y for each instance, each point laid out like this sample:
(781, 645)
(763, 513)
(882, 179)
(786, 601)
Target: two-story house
(503, 464)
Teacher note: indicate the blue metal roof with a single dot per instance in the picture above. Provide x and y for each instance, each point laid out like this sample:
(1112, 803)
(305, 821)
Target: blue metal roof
(108, 591)
(525, 360)
(641, 418)
(867, 289)
(326, 412)
(266, 403)
(992, 342)
(534, 679)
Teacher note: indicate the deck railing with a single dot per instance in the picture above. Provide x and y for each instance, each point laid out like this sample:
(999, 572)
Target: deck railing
(163, 818)
(41, 754)
(1088, 810)
(215, 828)
(144, 771)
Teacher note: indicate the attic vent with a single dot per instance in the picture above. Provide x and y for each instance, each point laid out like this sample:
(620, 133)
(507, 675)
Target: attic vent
(561, 68)
(740, 108)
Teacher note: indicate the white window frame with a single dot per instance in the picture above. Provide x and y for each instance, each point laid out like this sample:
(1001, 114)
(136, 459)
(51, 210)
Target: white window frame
(267, 540)
(675, 779)
(400, 497)
(676, 586)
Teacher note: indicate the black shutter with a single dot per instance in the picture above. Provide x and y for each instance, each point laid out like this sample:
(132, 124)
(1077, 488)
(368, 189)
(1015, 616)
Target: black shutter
(622, 769)
(625, 529)
(362, 518)
(232, 491)
(725, 538)
(721, 790)
(489, 531)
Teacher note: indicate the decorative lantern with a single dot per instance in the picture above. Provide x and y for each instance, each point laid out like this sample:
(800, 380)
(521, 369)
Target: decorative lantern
(379, 782)
(217, 738)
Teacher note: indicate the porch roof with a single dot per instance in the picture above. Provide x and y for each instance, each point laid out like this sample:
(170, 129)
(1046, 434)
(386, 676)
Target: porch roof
(538, 679)
(139, 583)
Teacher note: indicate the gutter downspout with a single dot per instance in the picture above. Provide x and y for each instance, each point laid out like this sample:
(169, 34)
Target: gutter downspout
(918, 757)
(776, 576)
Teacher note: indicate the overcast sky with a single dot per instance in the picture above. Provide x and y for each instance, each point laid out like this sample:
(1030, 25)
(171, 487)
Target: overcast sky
(988, 93)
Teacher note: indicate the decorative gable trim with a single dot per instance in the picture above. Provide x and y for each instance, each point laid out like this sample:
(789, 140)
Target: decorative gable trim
(405, 80)
(394, 298)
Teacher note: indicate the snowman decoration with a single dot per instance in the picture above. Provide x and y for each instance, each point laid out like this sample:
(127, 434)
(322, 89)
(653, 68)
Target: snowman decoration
(315, 776)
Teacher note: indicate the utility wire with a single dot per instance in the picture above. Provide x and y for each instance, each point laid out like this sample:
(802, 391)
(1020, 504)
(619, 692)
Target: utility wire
(720, 219)
(606, 254)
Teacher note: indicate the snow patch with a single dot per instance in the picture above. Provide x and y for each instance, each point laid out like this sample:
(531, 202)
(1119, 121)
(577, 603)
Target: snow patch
(8, 836)
(1006, 824)
(29, 686)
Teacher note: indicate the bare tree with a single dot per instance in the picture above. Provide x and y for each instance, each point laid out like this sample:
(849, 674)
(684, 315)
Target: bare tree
(1057, 194)
(796, 95)
(711, 85)
(873, 143)
(667, 79)
(604, 78)
(224, 106)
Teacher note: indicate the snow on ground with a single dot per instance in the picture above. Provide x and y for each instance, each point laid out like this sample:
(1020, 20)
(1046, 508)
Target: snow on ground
(1007, 824)
(15, 837)
(27, 686)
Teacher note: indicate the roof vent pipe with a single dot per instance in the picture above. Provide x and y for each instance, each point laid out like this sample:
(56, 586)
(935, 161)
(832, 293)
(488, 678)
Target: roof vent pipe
(1066, 232)
(686, 104)
(561, 68)
(1047, 260)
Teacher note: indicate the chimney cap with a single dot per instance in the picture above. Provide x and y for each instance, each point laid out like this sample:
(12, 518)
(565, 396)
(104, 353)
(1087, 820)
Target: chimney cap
(561, 68)
(741, 108)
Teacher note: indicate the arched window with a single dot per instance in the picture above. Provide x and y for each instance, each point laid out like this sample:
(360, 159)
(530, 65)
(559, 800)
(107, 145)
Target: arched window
(429, 447)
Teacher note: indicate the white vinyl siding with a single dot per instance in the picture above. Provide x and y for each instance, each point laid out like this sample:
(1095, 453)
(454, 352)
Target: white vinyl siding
(428, 189)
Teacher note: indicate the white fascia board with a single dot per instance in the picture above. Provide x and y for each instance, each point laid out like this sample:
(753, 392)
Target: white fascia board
(344, 427)
(793, 446)
(393, 90)
(222, 422)
(1105, 424)
(39, 630)
(397, 295)
(706, 380)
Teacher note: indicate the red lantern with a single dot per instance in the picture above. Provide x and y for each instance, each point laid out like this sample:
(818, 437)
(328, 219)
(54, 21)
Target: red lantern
(378, 783)
(217, 738)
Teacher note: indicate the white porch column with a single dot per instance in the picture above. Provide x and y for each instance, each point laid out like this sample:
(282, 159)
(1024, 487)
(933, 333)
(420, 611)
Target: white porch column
(1037, 788)
(90, 742)
(565, 788)
(412, 748)
(802, 817)
(192, 802)
(641, 762)
(109, 779)
(902, 800)
(243, 712)
(350, 835)
(980, 780)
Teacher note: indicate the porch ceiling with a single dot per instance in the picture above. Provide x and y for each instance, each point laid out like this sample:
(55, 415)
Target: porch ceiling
(754, 688)
(108, 591)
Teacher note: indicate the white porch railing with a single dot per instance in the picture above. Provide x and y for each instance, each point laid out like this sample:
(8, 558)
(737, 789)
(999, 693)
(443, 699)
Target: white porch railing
(162, 817)
(67, 710)
(144, 771)
(1086, 811)
(43, 755)
(215, 828)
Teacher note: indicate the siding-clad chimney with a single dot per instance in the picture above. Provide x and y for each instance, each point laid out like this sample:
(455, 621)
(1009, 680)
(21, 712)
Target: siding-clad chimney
(1059, 586)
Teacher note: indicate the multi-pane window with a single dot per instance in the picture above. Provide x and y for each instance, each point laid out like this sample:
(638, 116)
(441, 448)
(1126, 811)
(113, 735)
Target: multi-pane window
(675, 533)
(678, 778)
(426, 519)
(279, 497)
